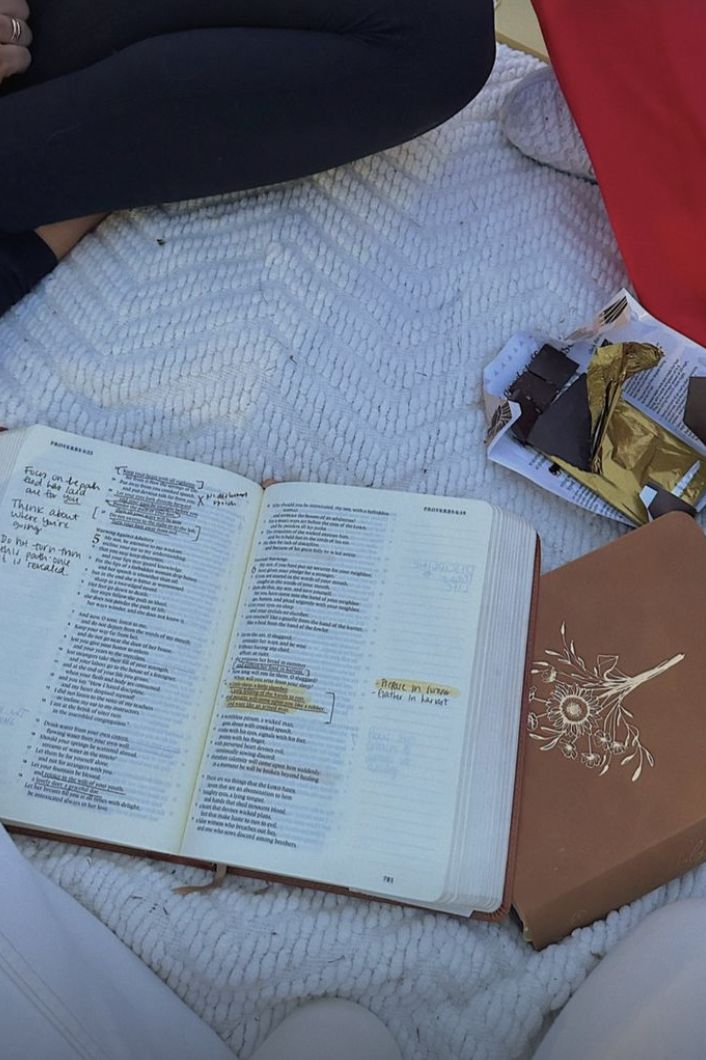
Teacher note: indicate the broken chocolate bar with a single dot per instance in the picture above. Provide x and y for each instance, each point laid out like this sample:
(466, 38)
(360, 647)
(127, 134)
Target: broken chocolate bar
(533, 396)
(564, 429)
(536, 387)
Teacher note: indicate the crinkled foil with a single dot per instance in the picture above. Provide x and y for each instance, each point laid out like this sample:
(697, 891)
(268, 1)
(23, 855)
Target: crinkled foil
(609, 367)
(628, 449)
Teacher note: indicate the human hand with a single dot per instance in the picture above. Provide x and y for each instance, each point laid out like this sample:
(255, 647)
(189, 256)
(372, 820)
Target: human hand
(15, 38)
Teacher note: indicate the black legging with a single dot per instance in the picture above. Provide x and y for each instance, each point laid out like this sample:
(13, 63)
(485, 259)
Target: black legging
(129, 104)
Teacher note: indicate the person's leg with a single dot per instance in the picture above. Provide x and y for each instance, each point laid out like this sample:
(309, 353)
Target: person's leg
(286, 90)
(210, 97)
(645, 999)
(329, 1029)
(70, 989)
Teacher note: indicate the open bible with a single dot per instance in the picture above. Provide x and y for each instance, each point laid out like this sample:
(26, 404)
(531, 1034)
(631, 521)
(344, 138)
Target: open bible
(317, 682)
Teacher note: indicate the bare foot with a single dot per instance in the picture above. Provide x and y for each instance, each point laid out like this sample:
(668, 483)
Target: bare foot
(64, 235)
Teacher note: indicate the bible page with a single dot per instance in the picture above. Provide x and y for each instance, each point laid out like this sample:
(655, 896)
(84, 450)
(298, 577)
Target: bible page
(120, 572)
(335, 747)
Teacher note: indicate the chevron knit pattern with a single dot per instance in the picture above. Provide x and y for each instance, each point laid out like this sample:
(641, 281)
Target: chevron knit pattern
(333, 329)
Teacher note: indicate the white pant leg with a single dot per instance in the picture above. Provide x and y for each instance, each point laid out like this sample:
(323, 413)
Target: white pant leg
(646, 1000)
(70, 989)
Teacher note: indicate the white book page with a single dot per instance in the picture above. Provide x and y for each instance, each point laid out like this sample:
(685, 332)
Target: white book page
(336, 741)
(120, 574)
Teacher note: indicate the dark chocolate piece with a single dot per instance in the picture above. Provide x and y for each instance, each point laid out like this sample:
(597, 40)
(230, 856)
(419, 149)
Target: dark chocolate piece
(529, 388)
(526, 421)
(666, 502)
(537, 386)
(553, 366)
(533, 395)
(695, 408)
(564, 430)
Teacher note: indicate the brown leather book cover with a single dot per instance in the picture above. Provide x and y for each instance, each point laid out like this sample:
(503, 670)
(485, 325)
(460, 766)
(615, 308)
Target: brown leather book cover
(614, 792)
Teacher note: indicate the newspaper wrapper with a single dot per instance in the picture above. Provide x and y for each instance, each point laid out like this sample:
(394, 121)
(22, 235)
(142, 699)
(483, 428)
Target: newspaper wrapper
(639, 439)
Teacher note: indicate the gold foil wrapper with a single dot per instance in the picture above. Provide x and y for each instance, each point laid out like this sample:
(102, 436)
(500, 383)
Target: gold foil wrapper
(628, 449)
(610, 366)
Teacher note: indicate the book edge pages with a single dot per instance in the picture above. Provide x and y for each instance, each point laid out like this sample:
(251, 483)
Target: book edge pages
(504, 908)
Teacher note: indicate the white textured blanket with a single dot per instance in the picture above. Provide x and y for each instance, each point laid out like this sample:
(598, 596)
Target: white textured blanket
(334, 329)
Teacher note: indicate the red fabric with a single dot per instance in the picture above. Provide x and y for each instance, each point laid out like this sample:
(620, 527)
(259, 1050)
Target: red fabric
(634, 74)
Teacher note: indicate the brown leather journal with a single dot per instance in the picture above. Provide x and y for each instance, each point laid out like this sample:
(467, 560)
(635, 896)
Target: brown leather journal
(614, 793)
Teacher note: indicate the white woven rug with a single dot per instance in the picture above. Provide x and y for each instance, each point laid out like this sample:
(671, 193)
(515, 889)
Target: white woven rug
(333, 329)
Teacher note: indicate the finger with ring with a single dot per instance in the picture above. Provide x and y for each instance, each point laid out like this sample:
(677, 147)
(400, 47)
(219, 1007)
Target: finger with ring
(14, 59)
(14, 31)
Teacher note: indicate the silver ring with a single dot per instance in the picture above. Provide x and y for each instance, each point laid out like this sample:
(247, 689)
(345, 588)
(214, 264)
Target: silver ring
(16, 30)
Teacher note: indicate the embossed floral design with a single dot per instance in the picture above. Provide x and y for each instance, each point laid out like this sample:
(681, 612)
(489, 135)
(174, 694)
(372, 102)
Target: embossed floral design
(584, 713)
(572, 709)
